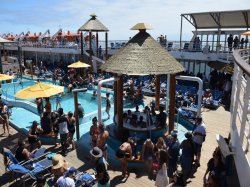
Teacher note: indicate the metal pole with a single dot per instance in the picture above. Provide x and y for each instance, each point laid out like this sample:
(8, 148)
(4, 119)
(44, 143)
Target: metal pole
(76, 116)
(197, 79)
(181, 32)
(100, 98)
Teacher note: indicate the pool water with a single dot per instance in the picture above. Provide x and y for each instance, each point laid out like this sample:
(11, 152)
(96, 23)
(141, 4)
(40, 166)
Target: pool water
(86, 99)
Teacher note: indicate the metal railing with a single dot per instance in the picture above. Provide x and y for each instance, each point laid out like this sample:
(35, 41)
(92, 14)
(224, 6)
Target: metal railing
(240, 116)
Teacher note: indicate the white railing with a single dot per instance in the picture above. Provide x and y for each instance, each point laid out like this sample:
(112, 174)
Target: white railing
(240, 116)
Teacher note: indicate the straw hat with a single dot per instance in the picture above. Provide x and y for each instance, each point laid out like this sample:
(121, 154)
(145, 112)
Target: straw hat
(57, 161)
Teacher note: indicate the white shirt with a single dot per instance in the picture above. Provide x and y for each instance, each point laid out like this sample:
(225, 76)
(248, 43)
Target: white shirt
(63, 127)
(65, 182)
(202, 130)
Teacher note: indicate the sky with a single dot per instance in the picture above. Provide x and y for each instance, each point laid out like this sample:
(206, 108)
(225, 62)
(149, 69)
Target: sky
(118, 16)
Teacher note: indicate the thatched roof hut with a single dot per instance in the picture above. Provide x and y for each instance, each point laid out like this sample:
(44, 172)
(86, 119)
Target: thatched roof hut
(142, 55)
(93, 25)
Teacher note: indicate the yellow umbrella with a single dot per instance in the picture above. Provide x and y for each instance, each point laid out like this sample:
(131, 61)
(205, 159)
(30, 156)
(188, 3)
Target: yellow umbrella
(78, 64)
(40, 89)
(246, 33)
(4, 77)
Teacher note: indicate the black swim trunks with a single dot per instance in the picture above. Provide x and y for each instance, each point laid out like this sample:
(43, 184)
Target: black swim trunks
(122, 154)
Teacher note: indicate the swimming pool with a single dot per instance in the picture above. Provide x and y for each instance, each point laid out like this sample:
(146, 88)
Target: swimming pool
(86, 99)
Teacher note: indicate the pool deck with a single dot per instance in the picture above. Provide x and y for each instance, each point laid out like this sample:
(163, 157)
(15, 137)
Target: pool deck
(217, 122)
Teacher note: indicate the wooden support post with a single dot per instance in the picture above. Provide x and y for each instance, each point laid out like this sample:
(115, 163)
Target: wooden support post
(172, 102)
(97, 38)
(90, 47)
(157, 93)
(120, 106)
(76, 116)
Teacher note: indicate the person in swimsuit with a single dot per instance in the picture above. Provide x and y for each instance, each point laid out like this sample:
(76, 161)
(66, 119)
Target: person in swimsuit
(94, 132)
(71, 128)
(148, 154)
(108, 105)
(33, 138)
(5, 118)
(102, 140)
(124, 153)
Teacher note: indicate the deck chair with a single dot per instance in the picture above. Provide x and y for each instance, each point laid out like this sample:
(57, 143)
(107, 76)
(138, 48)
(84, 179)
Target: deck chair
(82, 179)
(30, 171)
(216, 101)
(11, 159)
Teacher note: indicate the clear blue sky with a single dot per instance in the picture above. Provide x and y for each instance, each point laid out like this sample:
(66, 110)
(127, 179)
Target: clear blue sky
(119, 16)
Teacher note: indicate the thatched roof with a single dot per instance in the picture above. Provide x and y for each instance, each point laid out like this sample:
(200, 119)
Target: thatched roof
(93, 24)
(142, 55)
(140, 26)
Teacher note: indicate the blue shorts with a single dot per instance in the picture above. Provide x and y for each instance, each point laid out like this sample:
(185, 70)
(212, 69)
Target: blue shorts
(197, 148)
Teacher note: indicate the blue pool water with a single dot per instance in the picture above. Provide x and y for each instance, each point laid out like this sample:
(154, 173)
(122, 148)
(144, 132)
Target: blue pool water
(86, 99)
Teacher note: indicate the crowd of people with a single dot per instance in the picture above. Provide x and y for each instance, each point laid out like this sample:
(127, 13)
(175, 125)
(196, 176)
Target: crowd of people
(162, 158)
(235, 42)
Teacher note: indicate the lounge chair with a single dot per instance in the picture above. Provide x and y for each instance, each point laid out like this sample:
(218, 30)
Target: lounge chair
(10, 158)
(31, 170)
(82, 178)
(216, 100)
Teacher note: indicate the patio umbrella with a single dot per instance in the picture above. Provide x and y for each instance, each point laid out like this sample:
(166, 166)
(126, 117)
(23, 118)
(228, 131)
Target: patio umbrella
(228, 68)
(4, 77)
(247, 33)
(40, 89)
(78, 64)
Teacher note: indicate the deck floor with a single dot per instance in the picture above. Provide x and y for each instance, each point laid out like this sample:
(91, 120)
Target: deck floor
(217, 122)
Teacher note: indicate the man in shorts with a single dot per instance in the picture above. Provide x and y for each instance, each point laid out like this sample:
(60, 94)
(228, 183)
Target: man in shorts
(199, 135)
(102, 139)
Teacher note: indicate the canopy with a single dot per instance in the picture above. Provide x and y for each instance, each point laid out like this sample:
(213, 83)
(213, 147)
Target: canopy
(2, 40)
(4, 77)
(40, 89)
(221, 19)
(78, 64)
(246, 33)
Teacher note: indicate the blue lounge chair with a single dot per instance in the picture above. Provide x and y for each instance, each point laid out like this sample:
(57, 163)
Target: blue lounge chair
(31, 170)
(11, 159)
(83, 178)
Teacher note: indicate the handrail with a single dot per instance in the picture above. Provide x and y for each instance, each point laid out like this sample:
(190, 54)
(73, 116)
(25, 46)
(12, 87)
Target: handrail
(240, 62)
